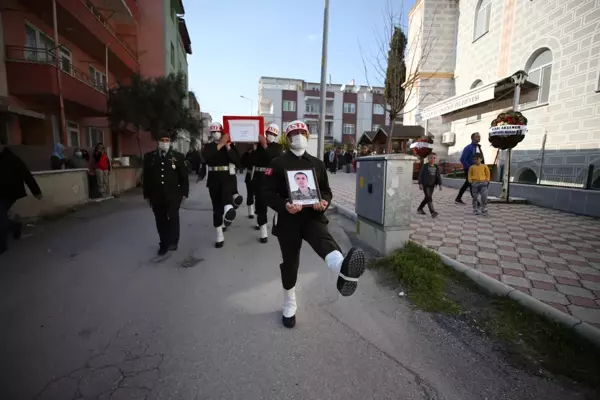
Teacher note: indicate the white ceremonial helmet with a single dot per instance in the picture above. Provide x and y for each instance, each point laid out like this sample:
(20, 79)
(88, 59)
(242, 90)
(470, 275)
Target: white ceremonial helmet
(273, 129)
(295, 126)
(215, 127)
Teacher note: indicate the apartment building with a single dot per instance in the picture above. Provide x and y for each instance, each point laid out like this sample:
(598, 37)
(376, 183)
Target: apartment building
(467, 81)
(163, 27)
(58, 60)
(351, 109)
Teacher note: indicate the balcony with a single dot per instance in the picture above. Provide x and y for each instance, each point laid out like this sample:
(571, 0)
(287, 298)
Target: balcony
(316, 94)
(87, 27)
(31, 74)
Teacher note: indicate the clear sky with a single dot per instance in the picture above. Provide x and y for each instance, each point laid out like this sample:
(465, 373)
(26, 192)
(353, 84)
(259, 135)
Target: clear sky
(234, 42)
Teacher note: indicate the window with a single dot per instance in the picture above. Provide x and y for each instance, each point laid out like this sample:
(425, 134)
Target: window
(172, 55)
(482, 18)
(475, 118)
(540, 72)
(375, 127)
(39, 46)
(312, 108)
(66, 60)
(289, 105)
(313, 127)
(94, 136)
(98, 79)
(378, 109)
(349, 108)
(348, 129)
(285, 124)
(72, 134)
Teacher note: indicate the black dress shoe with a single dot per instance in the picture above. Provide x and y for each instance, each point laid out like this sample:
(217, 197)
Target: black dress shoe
(289, 322)
(162, 250)
(173, 247)
(218, 245)
(263, 240)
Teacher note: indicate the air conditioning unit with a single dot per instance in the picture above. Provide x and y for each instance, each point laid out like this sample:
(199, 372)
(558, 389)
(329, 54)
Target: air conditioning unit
(449, 138)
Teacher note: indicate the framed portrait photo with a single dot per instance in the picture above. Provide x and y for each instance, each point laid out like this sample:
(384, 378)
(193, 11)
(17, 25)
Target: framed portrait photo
(303, 187)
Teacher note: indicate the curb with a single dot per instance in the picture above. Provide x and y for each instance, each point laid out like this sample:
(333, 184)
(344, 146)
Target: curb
(501, 289)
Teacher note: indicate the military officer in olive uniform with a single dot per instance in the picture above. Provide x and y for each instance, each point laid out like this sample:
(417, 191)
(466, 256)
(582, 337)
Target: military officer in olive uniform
(166, 186)
(294, 223)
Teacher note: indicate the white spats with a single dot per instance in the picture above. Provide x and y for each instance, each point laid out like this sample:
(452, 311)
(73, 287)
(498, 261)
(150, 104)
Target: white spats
(229, 214)
(334, 261)
(219, 237)
(263, 231)
(251, 211)
(289, 303)
(228, 207)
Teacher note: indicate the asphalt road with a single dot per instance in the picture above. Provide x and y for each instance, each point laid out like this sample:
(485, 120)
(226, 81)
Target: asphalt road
(87, 311)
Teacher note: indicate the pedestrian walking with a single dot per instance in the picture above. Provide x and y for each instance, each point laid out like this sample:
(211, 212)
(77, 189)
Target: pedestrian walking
(267, 150)
(294, 223)
(333, 161)
(166, 186)
(219, 156)
(466, 160)
(102, 166)
(429, 178)
(248, 164)
(479, 178)
(14, 175)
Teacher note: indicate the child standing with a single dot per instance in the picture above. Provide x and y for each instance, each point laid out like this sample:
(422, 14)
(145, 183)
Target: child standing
(429, 178)
(479, 178)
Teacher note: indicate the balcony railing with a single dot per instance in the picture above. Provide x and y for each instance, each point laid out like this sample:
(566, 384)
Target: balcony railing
(98, 15)
(48, 57)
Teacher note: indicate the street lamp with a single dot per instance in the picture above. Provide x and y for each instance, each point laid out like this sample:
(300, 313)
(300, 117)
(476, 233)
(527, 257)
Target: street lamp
(323, 90)
(250, 100)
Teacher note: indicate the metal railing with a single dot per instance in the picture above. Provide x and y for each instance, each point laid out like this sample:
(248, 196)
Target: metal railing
(98, 15)
(48, 57)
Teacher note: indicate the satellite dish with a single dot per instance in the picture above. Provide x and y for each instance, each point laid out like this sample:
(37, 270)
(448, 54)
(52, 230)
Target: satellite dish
(356, 89)
(343, 87)
(370, 89)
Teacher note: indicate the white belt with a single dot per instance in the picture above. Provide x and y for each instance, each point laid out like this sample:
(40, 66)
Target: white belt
(260, 169)
(220, 168)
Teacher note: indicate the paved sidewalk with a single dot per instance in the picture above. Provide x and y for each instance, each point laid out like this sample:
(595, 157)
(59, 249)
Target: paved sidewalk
(551, 255)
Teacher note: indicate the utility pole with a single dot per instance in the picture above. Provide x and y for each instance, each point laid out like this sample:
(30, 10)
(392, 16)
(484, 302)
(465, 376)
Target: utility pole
(322, 111)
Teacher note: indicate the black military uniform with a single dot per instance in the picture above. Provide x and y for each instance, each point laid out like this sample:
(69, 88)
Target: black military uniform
(220, 184)
(309, 225)
(248, 163)
(237, 199)
(166, 182)
(262, 159)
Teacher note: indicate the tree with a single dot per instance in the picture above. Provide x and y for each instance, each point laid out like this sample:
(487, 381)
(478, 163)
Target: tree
(399, 64)
(394, 80)
(156, 105)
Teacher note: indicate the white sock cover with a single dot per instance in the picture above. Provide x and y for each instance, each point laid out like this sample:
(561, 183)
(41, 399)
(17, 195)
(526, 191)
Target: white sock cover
(263, 231)
(250, 210)
(289, 302)
(220, 236)
(228, 207)
(334, 261)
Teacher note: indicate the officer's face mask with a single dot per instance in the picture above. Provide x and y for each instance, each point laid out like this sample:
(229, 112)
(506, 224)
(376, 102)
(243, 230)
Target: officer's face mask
(164, 146)
(299, 142)
(270, 138)
(216, 136)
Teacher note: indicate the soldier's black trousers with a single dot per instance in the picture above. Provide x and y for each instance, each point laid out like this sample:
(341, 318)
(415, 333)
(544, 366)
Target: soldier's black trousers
(290, 238)
(166, 214)
(249, 193)
(261, 206)
(221, 194)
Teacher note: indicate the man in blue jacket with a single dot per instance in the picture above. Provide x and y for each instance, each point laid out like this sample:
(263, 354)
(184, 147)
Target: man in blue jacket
(466, 159)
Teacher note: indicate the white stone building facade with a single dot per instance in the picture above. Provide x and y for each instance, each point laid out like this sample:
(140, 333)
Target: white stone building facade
(477, 43)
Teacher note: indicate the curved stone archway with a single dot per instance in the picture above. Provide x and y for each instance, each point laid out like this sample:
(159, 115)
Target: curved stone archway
(527, 175)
